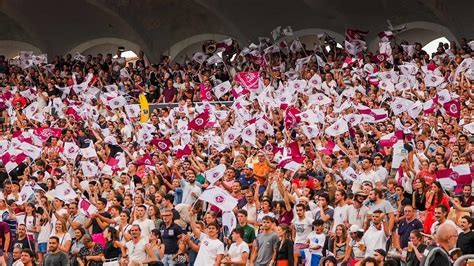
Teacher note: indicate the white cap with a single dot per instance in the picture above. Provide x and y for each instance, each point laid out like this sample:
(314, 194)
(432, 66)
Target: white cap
(355, 228)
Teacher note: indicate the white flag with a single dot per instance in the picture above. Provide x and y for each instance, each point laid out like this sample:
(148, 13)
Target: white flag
(310, 131)
(89, 169)
(338, 128)
(64, 192)
(132, 110)
(200, 57)
(248, 134)
(216, 173)
(230, 135)
(444, 96)
(215, 59)
(25, 193)
(219, 198)
(222, 89)
(117, 102)
(415, 109)
(71, 150)
(264, 125)
(433, 80)
(32, 151)
(229, 222)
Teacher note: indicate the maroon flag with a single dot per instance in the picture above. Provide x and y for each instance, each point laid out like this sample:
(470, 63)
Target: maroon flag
(453, 108)
(200, 121)
(72, 112)
(294, 149)
(391, 139)
(455, 176)
(292, 118)
(145, 160)
(163, 145)
(205, 93)
(248, 80)
(46, 132)
(113, 163)
(186, 151)
(353, 34)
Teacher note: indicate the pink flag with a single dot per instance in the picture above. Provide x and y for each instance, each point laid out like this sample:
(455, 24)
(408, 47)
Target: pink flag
(186, 151)
(11, 161)
(292, 118)
(205, 93)
(294, 149)
(86, 207)
(453, 108)
(391, 139)
(248, 80)
(163, 145)
(145, 160)
(291, 164)
(46, 132)
(353, 34)
(200, 121)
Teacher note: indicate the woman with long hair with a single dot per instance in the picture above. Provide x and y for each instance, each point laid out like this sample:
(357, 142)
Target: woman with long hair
(113, 247)
(155, 215)
(419, 197)
(77, 245)
(60, 231)
(124, 226)
(284, 249)
(341, 244)
(434, 197)
(415, 248)
(31, 221)
(156, 244)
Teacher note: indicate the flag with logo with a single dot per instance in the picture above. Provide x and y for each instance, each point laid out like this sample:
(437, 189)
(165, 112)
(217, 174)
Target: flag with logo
(221, 89)
(145, 160)
(391, 139)
(25, 194)
(456, 176)
(132, 110)
(199, 122)
(219, 198)
(337, 128)
(453, 108)
(32, 151)
(117, 102)
(291, 163)
(215, 173)
(248, 80)
(249, 134)
(200, 57)
(185, 151)
(231, 134)
(89, 168)
(163, 145)
(46, 132)
(292, 117)
(64, 192)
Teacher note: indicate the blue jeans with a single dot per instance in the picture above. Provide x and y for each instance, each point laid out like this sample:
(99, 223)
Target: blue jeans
(168, 260)
(178, 196)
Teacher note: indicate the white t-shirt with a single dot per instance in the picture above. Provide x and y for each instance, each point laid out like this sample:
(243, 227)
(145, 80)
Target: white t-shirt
(251, 211)
(137, 252)
(236, 251)
(370, 177)
(316, 240)
(62, 239)
(303, 228)
(208, 251)
(341, 214)
(146, 226)
(374, 239)
(357, 216)
(260, 215)
(60, 212)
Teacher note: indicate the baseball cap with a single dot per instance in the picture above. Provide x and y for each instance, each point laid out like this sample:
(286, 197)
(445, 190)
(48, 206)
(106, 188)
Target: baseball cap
(355, 228)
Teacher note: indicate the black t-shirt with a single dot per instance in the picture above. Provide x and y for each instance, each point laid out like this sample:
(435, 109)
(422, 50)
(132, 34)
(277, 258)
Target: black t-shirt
(405, 228)
(95, 225)
(24, 243)
(412, 260)
(466, 242)
(170, 237)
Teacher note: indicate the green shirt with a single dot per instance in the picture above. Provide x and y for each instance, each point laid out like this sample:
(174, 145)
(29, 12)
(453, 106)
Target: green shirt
(249, 233)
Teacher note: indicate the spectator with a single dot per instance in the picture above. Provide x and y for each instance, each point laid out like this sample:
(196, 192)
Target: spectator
(446, 237)
(265, 244)
(137, 250)
(211, 250)
(55, 256)
(91, 253)
(239, 250)
(466, 237)
(377, 235)
(28, 257)
(284, 247)
(407, 225)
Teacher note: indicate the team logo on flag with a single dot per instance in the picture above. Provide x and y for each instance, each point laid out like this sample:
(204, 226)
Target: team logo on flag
(336, 127)
(315, 81)
(268, 147)
(433, 79)
(162, 145)
(454, 175)
(453, 108)
(219, 198)
(310, 130)
(215, 175)
(283, 99)
(296, 86)
(71, 150)
(265, 126)
(248, 132)
(305, 115)
(320, 97)
(231, 136)
(394, 139)
(399, 106)
(199, 121)
(404, 85)
(388, 76)
(23, 197)
(67, 191)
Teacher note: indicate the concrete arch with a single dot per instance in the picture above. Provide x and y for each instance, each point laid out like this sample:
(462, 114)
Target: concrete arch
(418, 31)
(11, 48)
(188, 46)
(104, 45)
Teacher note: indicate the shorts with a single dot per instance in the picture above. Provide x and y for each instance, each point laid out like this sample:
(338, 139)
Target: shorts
(315, 258)
(42, 247)
(300, 246)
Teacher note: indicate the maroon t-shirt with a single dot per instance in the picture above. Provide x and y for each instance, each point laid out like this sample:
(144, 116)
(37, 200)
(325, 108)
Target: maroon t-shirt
(4, 229)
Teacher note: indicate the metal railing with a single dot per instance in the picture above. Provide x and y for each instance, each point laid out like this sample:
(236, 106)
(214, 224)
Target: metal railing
(154, 106)
(463, 258)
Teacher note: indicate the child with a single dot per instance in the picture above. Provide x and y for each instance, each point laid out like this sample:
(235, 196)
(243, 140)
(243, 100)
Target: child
(316, 243)
(181, 258)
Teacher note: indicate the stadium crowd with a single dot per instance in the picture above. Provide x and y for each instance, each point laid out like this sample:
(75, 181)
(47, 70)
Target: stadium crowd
(271, 154)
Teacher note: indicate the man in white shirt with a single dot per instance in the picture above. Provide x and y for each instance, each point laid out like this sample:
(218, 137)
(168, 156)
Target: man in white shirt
(145, 224)
(191, 190)
(379, 169)
(302, 227)
(211, 249)
(137, 250)
(341, 211)
(367, 174)
(377, 235)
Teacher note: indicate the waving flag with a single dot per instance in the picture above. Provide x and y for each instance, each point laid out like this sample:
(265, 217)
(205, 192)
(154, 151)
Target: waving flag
(455, 176)
(132, 110)
(315, 82)
(200, 121)
(63, 191)
(144, 108)
(229, 222)
(265, 126)
(415, 109)
(444, 96)
(200, 57)
(230, 135)
(216, 173)
(117, 102)
(453, 108)
(86, 207)
(163, 145)
(248, 134)
(46, 132)
(248, 80)
(353, 34)
(294, 149)
(432, 80)
(219, 198)
(292, 164)
(222, 89)
(292, 117)
(145, 160)
(310, 131)
(12, 160)
(25, 194)
(32, 151)
(185, 151)
(339, 127)
(89, 168)
(391, 139)
(399, 105)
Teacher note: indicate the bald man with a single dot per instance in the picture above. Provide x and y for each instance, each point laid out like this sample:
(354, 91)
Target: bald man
(446, 238)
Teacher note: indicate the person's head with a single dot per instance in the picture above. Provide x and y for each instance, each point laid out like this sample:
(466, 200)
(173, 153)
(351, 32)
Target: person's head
(375, 195)
(60, 226)
(416, 237)
(340, 196)
(283, 231)
(125, 216)
(16, 253)
(212, 229)
(87, 241)
(21, 230)
(377, 217)
(323, 199)
(467, 190)
(437, 190)
(266, 222)
(440, 213)
(27, 256)
(72, 208)
(135, 231)
(111, 233)
(237, 234)
(53, 244)
(300, 210)
(167, 216)
(79, 233)
(447, 236)
(141, 211)
(341, 233)
(242, 217)
(318, 226)
(379, 255)
(466, 223)
(210, 217)
(409, 212)
(101, 203)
